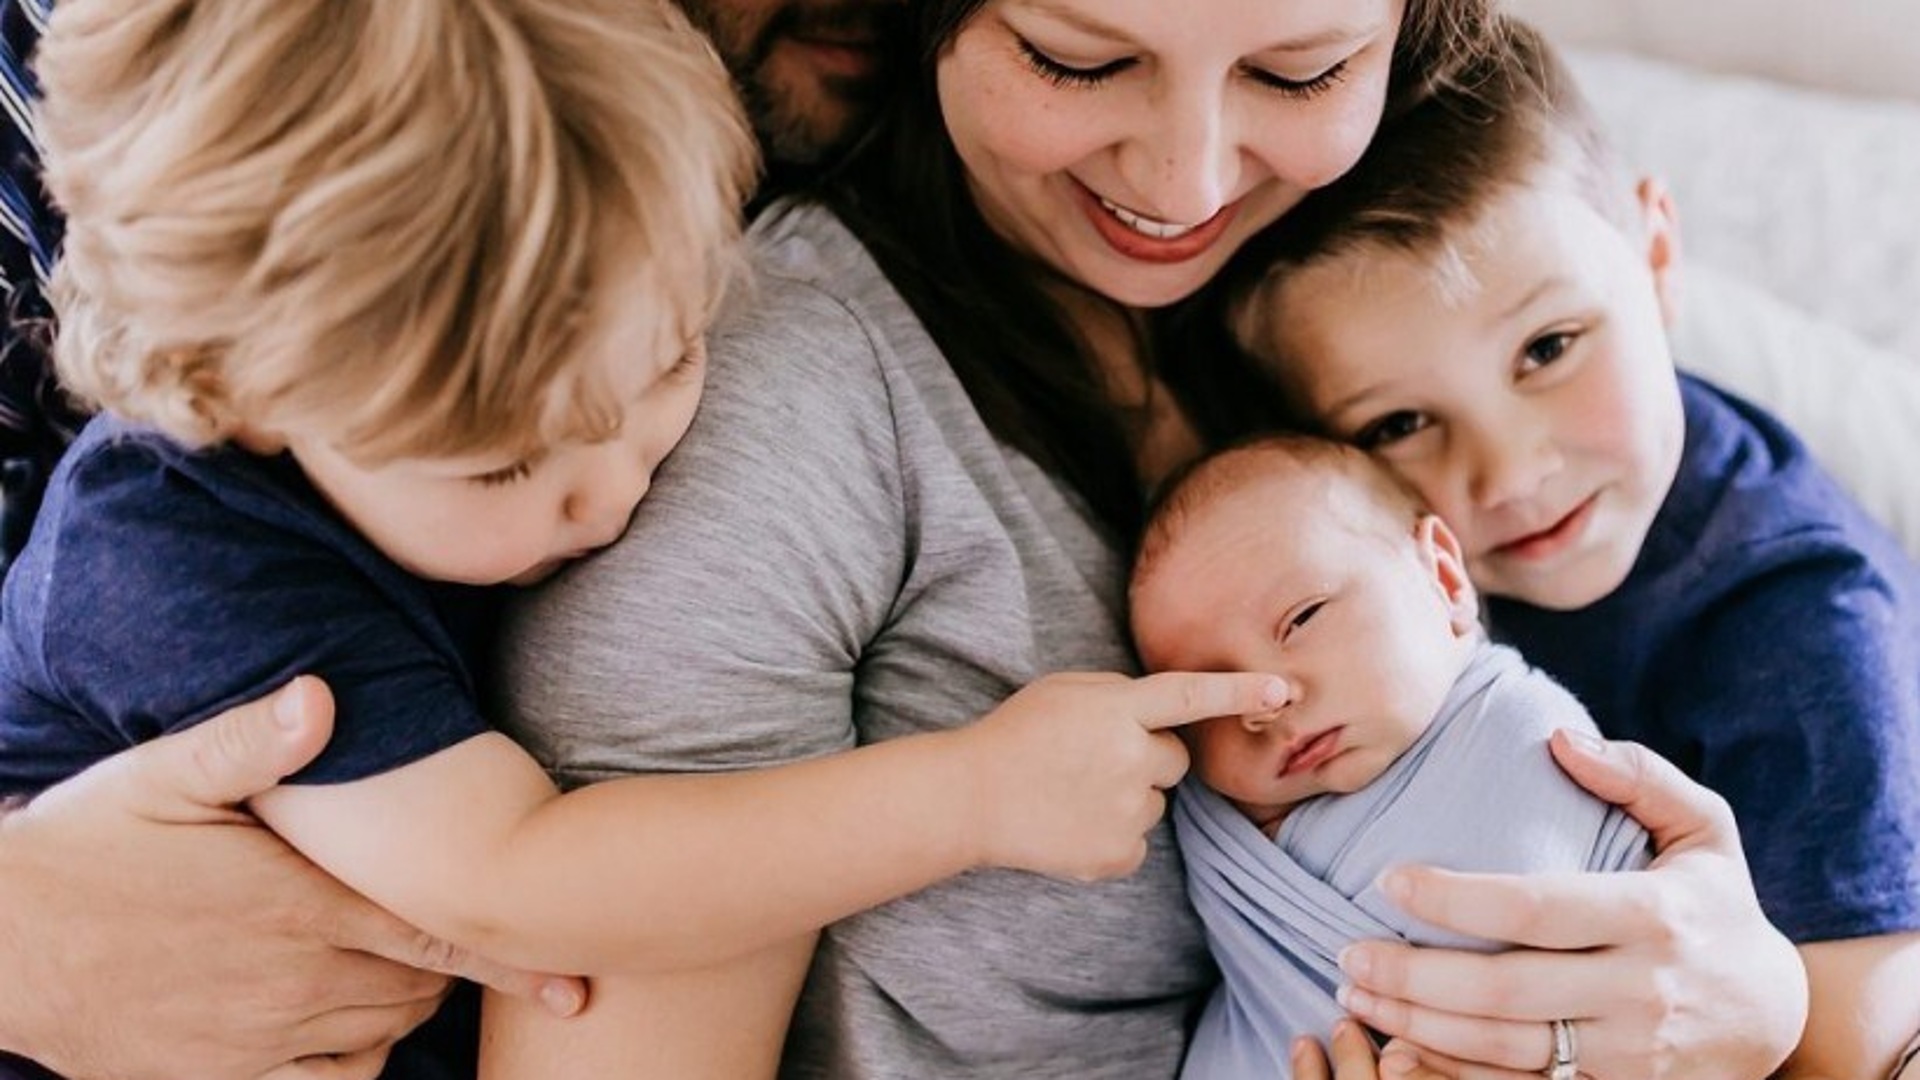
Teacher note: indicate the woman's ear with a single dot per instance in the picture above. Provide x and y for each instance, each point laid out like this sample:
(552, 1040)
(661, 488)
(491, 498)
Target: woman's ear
(1660, 232)
(1440, 551)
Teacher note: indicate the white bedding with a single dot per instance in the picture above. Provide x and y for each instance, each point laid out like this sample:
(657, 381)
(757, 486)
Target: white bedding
(1800, 223)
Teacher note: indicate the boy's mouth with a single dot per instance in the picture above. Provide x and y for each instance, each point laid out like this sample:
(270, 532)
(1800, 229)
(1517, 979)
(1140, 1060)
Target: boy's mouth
(1313, 753)
(1553, 539)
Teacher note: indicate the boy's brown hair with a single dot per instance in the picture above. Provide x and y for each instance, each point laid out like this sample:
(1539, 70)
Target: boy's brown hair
(391, 223)
(1427, 176)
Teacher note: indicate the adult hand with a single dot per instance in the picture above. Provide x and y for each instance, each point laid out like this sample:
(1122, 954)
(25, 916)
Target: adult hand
(149, 928)
(1070, 771)
(1352, 1058)
(1672, 972)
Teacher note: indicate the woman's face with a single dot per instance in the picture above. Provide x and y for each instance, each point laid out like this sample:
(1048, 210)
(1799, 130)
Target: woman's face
(1134, 145)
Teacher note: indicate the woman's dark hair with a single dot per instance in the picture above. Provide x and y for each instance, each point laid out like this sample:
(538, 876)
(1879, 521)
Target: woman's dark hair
(1032, 378)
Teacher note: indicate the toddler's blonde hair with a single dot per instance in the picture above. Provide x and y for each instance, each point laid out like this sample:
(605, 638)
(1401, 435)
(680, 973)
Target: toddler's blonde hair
(389, 223)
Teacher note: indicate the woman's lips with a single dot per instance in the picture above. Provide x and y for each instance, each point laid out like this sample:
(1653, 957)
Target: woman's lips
(1137, 245)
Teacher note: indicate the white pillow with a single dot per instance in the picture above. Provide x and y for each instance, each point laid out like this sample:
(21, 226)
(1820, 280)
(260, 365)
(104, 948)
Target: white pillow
(1856, 406)
(1814, 197)
(1810, 197)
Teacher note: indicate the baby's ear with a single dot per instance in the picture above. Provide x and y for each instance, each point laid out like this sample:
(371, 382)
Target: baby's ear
(1440, 551)
(1660, 233)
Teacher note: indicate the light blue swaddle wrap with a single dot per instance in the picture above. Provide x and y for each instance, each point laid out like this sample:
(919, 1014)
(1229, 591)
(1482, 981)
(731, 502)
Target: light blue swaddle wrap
(1477, 791)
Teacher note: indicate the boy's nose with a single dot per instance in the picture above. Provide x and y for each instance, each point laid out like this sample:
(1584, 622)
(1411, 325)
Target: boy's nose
(1261, 723)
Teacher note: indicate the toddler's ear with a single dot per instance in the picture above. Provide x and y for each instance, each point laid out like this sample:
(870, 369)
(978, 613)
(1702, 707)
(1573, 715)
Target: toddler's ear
(1440, 550)
(1660, 232)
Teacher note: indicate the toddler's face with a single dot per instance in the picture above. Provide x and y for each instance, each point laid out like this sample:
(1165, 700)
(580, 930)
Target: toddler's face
(1531, 400)
(494, 520)
(1284, 577)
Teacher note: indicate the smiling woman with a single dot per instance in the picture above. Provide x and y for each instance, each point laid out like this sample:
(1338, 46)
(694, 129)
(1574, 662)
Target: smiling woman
(1154, 145)
(911, 492)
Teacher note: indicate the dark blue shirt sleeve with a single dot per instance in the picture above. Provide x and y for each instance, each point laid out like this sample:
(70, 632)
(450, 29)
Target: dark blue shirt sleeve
(1802, 689)
(164, 604)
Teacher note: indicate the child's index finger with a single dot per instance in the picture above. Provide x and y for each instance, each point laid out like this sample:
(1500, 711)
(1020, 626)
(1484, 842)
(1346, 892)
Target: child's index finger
(1174, 698)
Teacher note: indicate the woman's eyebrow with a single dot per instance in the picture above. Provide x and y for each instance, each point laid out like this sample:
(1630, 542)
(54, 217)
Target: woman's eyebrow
(1077, 18)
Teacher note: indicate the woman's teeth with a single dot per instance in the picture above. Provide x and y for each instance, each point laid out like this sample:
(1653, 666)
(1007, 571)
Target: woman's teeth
(1145, 226)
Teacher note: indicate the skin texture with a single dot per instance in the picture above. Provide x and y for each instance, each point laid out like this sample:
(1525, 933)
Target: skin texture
(517, 518)
(1550, 434)
(312, 981)
(1218, 119)
(1284, 572)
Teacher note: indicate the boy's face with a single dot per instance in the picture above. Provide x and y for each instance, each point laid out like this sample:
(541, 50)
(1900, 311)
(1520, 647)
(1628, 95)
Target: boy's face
(1531, 401)
(494, 520)
(1294, 575)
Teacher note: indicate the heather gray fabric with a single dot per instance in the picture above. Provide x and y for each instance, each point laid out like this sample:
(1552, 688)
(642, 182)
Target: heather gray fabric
(1477, 791)
(840, 552)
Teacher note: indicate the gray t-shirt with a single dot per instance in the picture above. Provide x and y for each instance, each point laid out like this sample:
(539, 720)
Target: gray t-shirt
(840, 552)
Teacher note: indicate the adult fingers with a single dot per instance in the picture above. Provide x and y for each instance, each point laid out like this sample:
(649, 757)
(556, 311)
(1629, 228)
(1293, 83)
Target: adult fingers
(1545, 911)
(1352, 1053)
(1172, 698)
(218, 764)
(1675, 809)
(361, 1065)
(1522, 985)
(1309, 1061)
(366, 927)
(1472, 1047)
(1402, 1060)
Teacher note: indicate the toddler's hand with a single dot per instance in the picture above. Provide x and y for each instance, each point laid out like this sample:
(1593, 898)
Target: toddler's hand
(1069, 772)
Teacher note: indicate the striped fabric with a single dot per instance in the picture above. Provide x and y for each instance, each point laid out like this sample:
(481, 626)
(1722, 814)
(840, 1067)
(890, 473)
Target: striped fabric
(35, 422)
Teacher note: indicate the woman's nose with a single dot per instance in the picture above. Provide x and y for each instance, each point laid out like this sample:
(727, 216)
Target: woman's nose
(1180, 161)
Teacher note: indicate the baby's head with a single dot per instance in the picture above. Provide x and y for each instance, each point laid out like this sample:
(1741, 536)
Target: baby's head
(455, 256)
(1302, 557)
(1482, 304)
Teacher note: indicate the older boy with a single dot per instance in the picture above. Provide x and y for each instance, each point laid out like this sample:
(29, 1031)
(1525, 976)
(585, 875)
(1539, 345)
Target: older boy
(1303, 558)
(1482, 306)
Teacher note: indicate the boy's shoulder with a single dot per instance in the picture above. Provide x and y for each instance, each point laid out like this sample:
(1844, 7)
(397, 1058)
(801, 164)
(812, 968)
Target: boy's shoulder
(1749, 499)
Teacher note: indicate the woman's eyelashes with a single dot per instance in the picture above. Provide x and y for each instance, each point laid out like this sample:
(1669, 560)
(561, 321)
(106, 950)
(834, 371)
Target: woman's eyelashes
(1066, 75)
(1063, 74)
(1303, 89)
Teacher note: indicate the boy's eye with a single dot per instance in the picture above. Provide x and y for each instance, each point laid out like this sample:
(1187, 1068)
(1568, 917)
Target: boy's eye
(517, 471)
(1066, 75)
(1390, 428)
(1301, 617)
(1547, 348)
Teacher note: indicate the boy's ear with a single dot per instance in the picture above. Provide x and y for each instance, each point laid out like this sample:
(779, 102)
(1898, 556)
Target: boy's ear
(1660, 230)
(1440, 550)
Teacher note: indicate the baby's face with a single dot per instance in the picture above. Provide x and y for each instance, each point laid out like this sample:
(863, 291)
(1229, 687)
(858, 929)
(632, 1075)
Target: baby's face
(1531, 399)
(1366, 628)
(516, 519)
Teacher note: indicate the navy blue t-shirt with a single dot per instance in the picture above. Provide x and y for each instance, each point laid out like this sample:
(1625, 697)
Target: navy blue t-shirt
(1768, 642)
(163, 585)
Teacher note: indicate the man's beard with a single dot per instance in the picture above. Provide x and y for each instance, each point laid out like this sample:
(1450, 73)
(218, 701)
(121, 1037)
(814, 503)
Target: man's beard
(787, 133)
